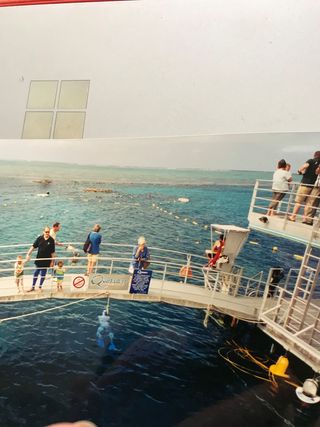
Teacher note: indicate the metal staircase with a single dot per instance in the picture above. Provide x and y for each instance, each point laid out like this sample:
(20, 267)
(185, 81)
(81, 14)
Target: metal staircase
(294, 318)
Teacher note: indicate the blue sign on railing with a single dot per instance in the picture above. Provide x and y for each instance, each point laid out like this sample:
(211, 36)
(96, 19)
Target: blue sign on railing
(140, 281)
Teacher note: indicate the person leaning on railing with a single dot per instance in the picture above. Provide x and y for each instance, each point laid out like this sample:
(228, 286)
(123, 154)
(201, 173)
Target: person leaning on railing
(312, 201)
(94, 248)
(306, 188)
(140, 255)
(280, 186)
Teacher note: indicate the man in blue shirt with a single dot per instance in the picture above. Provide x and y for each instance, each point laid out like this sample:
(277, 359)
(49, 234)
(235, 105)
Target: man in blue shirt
(94, 250)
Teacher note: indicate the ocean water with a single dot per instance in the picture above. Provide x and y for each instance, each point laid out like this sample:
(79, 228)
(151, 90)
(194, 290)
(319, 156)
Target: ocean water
(167, 370)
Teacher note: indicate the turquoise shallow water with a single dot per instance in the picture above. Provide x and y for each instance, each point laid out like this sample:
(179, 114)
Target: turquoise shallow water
(167, 371)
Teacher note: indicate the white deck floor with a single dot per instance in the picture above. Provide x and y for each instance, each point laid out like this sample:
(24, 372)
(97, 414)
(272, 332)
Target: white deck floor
(278, 226)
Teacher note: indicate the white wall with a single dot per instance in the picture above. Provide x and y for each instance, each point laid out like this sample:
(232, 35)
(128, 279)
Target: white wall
(167, 67)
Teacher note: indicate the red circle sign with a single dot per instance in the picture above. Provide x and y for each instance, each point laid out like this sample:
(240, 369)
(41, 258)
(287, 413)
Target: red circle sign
(79, 282)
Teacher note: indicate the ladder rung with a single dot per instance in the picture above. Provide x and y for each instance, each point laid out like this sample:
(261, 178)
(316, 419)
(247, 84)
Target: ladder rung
(309, 278)
(303, 290)
(290, 329)
(294, 319)
(309, 268)
(296, 310)
(315, 341)
(299, 299)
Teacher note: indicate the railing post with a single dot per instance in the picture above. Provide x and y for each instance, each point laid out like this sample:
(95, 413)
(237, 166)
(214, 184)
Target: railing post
(163, 278)
(111, 267)
(265, 293)
(254, 195)
(188, 266)
(280, 297)
(216, 282)
(260, 281)
(247, 287)
(236, 289)
(292, 193)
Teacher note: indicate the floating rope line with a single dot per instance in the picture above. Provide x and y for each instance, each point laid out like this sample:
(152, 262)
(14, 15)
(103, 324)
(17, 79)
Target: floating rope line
(34, 313)
(178, 217)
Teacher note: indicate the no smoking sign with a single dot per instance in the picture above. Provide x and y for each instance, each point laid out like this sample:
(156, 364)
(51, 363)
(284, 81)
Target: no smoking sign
(78, 282)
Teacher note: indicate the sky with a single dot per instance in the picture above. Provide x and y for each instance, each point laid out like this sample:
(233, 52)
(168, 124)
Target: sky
(214, 84)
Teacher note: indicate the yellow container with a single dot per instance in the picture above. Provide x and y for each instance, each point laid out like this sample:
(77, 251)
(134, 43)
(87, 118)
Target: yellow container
(279, 369)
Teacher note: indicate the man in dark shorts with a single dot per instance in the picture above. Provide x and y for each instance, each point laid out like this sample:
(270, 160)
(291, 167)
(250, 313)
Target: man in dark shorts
(308, 170)
(46, 249)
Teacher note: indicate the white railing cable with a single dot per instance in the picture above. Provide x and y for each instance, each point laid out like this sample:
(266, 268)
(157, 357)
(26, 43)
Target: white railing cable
(47, 310)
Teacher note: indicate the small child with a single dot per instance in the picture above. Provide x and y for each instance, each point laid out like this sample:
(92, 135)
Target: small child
(18, 273)
(59, 271)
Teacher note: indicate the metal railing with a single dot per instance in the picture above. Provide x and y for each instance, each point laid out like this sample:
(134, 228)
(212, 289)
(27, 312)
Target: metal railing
(165, 264)
(263, 196)
(113, 259)
(235, 283)
(291, 315)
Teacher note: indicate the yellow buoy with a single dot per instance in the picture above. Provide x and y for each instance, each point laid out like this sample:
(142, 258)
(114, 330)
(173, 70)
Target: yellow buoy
(298, 257)
(280, 367)
(275, 249)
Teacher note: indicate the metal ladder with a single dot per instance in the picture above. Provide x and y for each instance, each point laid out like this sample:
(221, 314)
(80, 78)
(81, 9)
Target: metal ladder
(303, 319)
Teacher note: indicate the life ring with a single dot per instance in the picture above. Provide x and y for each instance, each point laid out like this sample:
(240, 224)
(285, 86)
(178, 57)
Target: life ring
(185, 271)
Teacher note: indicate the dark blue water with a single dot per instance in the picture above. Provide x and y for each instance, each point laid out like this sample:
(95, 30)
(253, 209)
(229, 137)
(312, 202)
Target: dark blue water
(167, 370)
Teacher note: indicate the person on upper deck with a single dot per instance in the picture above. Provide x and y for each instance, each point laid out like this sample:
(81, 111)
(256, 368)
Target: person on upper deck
(280, 186)
(308, 170)
(312, 201)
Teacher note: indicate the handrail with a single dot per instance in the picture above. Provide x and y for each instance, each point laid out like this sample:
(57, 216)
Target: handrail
(260, 201)
(166, 263)
(282, 313)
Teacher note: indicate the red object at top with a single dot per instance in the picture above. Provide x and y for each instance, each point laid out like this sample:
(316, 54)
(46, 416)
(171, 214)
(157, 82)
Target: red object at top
(4, 3)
